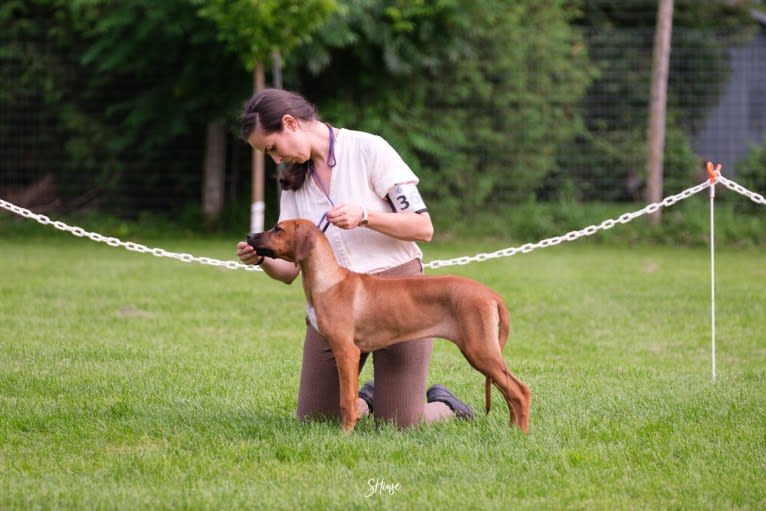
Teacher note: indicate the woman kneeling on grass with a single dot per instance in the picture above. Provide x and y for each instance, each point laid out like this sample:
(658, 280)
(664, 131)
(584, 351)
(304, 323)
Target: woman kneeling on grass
(356, 184)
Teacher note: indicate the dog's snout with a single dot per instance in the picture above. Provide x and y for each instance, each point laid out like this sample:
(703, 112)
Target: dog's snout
(251, 238)
(256, 240)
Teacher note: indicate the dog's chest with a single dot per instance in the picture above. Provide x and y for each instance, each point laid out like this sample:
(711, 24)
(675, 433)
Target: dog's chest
(311, 313)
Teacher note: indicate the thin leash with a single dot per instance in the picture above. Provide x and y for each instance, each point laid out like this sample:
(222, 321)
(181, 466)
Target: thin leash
(331, 162)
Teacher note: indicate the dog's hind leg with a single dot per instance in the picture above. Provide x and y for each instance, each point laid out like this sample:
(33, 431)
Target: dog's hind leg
(516, 393)
(517, 396)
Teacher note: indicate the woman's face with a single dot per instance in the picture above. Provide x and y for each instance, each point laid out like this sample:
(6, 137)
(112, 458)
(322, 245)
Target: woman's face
(287, 146)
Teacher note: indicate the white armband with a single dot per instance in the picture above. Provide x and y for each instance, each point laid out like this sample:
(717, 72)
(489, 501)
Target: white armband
(406, 197)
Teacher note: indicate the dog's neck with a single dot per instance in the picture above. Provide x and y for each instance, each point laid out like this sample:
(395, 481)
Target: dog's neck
(320, 269)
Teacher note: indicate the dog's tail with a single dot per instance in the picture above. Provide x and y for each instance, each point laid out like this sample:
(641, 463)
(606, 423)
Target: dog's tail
(504, 327)
(488, 393)
(504, 323)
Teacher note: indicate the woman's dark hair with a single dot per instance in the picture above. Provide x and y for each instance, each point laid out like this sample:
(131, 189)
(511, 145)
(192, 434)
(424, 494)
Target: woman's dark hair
(265, 111)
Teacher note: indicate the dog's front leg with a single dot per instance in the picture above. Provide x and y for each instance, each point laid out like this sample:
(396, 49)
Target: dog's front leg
(347, 358)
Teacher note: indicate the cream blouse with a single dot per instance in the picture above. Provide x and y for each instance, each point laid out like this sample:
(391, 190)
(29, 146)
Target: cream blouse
(366, 170)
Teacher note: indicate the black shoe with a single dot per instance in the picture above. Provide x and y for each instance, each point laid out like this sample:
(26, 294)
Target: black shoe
(367, 392)
(441, 393)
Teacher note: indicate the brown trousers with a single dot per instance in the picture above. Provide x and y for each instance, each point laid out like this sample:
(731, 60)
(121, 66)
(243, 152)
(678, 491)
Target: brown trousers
(400, 373)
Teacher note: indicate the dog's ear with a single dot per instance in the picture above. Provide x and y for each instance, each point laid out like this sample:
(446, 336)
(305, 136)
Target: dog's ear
(305, 237)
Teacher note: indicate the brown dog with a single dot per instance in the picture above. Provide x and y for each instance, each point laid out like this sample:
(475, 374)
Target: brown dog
(357, 312)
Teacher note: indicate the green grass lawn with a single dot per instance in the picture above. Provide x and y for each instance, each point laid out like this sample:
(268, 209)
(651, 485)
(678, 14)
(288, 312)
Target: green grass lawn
(133, 382)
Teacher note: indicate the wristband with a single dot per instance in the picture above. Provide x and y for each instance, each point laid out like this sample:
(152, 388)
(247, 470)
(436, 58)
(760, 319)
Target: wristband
(363, 222)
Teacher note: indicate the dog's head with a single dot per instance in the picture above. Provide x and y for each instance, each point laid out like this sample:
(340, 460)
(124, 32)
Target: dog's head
(291, 240)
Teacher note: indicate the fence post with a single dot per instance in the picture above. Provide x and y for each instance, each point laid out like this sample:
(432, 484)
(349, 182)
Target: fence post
(713, 173)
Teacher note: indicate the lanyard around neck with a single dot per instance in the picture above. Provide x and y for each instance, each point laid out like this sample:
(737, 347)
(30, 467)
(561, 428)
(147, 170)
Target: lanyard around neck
(331, 162)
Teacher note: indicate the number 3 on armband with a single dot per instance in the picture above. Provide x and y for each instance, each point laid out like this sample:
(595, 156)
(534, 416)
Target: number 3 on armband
(405, 197)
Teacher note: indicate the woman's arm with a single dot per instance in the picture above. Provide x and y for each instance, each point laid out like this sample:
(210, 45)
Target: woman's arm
(402, 226)
(406, 226)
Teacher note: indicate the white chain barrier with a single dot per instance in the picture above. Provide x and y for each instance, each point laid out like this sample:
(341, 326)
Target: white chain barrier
(129, 245)
(736, 187)
(506, 252)
(572, 235)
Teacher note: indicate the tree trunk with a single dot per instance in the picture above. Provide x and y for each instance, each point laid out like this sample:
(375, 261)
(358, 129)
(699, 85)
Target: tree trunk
(276, 68)
(276, 71)
(214, 178)
(657, 108)
(257, 206)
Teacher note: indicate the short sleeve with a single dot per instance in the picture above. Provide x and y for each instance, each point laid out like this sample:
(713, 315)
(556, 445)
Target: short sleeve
(387, 168)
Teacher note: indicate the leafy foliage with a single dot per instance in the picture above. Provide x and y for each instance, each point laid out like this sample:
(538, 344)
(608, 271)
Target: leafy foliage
(253, 30)
(124, 83)
(612, 148)
(751, 171)
(489, 100)
(478, 94)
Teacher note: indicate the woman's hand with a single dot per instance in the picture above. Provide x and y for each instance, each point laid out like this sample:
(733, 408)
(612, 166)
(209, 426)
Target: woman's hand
(277, 269)
(345, 216)
(403, 226)
(247, 254)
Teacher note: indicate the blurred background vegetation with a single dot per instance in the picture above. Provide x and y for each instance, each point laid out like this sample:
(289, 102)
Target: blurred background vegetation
(521, 118)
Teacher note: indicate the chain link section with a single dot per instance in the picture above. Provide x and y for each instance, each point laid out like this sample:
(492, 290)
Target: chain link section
(458, 261)
(129, 245)
(588, 231)
(731, 185)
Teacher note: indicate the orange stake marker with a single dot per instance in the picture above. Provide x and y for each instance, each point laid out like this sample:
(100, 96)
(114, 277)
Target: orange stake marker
(713, 172)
